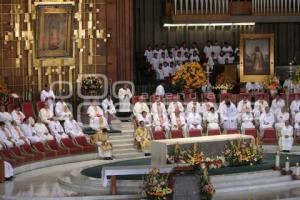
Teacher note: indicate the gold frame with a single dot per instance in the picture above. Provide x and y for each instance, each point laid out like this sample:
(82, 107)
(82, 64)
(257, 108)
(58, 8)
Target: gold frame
(41, 11)
(256, 78)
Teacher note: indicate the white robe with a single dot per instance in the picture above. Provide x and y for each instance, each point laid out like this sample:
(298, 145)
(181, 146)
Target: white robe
(247, 121)
(212, 120)
(6, 138)
(18, 136)
(267, 120)
(205, 108)
(124, 97)
(176, 122)
(62, 111)
(259, 108)
(46, 114)
(97, 119)
(160, 90)
(277, 106)
(30, 133)
(57, 130)
(108, 106)
(49, 97)
(18, 116)
(102, 153)
(41, 130)
(294, 107)
(286, 143)
(147, 120)
(281, 118)
(229, 116)
(72, 128)
(5, 117)
(173, 106)
(194, 121)
(297, 124)
(158, 109)
(160, 123)
(8, 170)
(190, 105)
(139, 107)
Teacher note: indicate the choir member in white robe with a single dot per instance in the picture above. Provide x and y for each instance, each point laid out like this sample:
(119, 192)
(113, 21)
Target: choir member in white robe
(57, 130)
(212, 119)
(140, 106)
(267, 120)
(194, 120)
(17, 134)
(206, 106)
(158, 107)
(8, 171)
(5, 136)
(259, 107)
(109, 109)
(17, 115)
(29, 131)
(175, 105)
(46, 114)
(47, 95)
(5, 116)
(193, 104)
(281, 117)
(161, 122)
(72, 128)
(243, 106)
(286, 139)
(277, 104)
(97, 119)
(146, 118)
(247, 121)
(297, 124)
(178, 122)
(42, 131)
(62, 111)
(160, 90)
(124, 95)
(295, 105)
(229, 116)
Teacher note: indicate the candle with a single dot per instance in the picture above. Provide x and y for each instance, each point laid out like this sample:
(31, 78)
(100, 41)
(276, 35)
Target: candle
(287, 164)
(297, 170)
(277, 160)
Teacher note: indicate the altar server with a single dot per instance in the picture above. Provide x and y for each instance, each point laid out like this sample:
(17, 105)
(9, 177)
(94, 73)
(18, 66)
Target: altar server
(29, 131)
(281, 117)
(97, 119)
(124, 95)
(161, 122)
(286, 139)
(158, 107)
(5, 116)
(62, 110)
(42, 131)
(46, 114)
(294, 107)
(243, 106)
(229, 116)
(178, 122)
(140, 106)
(212, 119)
(17, 134)
(47, 95)
(277, 104)
(5, 136)
(109, 108)
(247, 121)
(174, 105)
(17, 115)
(193, 104)
(194, 120)
(8, 171)
(72, 128)
(57, 130)
(267, 120)
(143, 138)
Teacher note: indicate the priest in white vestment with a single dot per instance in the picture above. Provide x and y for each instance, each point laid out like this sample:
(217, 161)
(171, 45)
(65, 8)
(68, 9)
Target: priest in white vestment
(46, 114)
(259, 107)
(178, 122)
(57, 130)
(206, 106)
(47, 95)
(124, 95)
(228, 115)
(193, 104)
(277, 104)
(5, 136)
(42, 131)
(62, 111)
(17, 115)
(175, 105)
(281, 117)
(194, 120)
(212, 119)
(17, 134)
(295, 105)
(5, 116)
(267, 120)
(109, 108)
(247, 121)
(286, 139)
(72, 128)
(29, 131)
(243, 106)
(140, 106)
(147, 119)
(161, 122)
(158, 107)
(97, 119)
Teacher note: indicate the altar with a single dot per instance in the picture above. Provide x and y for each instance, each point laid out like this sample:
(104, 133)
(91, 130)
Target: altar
(209, 145)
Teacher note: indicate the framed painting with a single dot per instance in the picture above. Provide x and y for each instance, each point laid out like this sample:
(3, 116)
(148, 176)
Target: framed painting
(54, 30)
(256, 57)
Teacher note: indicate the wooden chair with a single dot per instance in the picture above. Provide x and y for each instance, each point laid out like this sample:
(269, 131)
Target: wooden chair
(82, 141)
(232, 131)
(270, 136)
(26, 148)
(28, 110)
(176, 134)
(11, 107)
(135, 99)
(158, 135)
(213, 132)
(73, 148)
(39, 105)
(53, 146)
(40, 148)
(251, 131)
(195, 133)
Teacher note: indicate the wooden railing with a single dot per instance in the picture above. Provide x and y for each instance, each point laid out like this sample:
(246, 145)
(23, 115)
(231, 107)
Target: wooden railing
(274, 7)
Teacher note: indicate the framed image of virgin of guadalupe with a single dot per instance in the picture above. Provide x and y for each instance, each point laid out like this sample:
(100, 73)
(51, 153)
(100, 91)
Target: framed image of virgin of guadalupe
(54, 30)
(256, 57)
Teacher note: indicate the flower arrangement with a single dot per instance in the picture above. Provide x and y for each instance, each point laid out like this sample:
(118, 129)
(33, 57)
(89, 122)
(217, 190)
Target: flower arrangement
(207, 189)
(223, 83)
(243, 154)
(272, 83)
(156, 185)
(91, 83)
(189, 76)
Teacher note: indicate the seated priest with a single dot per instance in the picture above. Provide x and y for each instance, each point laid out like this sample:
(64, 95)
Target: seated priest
(193, 104)
(174, 105)
(17, 115)
(228, 115)
(178, 122)
(57, 130)
(109, 109)
(247, 121)
(277, 104)
(158, 107)
(72, 128)
(29, 132)
(18, 134)
(5, 136)
(62, 111)
(140, 106)
(146, 117)
(267, 120)
(212, 119)
(281, 117)
(143, 138)
(286, 139)
(97, 119)
(42, 130)
(161, 123)
(5, 116)
(194, 120)
(46, 114)
(243, 106)
(206, 106)
(294, 107)
(259, 107)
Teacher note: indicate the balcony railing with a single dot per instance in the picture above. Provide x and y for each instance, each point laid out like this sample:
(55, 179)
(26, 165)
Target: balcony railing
(274, 7)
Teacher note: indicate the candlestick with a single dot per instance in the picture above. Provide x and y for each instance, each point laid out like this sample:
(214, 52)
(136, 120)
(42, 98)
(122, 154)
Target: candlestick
(287, 164)
(297, 173)
(277, 160)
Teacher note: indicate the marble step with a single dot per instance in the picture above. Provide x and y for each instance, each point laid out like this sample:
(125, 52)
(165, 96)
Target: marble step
(128, 155)
(128, 150)
(121, 141)
(120, 137)
(123, 146)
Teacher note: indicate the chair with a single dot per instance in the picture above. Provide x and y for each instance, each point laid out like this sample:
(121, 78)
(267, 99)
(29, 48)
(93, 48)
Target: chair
(251, 131)
(52, 145)
(195, 133)
(11, 107)
(232, 131)
(40, 148)
(176, 134)
(213, 132)
(7, 156)
(28, 110)
(210, 96)
(269, 136)
(26, 148)
(82, 141)
(242, 95)
(39, 105)
(135, 99)
(159, 135)
(67, 143)
(16, 151)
